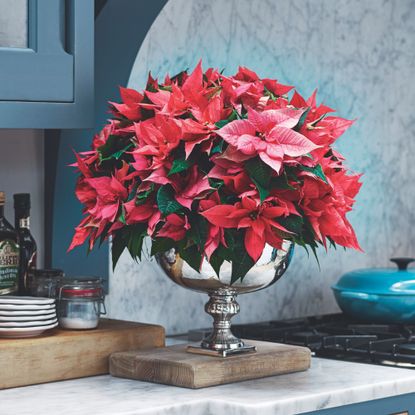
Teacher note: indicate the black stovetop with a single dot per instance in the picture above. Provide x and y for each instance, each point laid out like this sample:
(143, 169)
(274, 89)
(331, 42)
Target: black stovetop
(335, 336)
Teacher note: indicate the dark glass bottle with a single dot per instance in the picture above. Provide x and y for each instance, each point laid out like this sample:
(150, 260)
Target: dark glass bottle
(28, 248)
(9, 253)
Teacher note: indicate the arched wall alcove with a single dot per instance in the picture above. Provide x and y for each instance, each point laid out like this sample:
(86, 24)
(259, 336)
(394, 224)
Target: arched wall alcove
(360, 56)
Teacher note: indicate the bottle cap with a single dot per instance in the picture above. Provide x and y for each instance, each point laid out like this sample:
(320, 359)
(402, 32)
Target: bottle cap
(2, 198)
(22, 200)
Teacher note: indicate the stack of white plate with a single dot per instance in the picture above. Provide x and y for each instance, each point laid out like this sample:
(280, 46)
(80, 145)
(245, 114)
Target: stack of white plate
(26, 316)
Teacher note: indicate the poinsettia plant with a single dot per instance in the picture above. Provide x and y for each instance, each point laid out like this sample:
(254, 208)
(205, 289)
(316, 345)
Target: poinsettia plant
(216, 166)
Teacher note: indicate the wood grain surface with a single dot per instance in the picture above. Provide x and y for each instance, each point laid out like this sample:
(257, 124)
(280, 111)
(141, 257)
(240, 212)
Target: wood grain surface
(67, 354)
(174, 366)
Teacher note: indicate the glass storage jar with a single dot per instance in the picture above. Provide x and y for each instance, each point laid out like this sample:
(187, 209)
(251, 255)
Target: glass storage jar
(44, 282)
(80, 303)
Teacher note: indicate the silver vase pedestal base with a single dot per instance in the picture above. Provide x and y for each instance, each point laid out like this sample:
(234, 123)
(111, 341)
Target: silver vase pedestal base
(221, 353)
(222, 306)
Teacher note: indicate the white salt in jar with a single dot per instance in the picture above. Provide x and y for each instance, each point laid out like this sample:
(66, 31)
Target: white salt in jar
(80, 303)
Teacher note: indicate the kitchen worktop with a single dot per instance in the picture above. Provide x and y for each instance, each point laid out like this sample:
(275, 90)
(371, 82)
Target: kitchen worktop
(329, 383)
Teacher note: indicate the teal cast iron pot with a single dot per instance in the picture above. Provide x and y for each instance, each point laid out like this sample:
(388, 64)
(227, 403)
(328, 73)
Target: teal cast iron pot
(382, 295)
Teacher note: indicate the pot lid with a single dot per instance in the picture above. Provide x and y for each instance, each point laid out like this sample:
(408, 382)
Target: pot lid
(383, 281)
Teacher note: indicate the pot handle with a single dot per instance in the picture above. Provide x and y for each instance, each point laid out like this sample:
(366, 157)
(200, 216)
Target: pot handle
(402, 262)
(359, 296)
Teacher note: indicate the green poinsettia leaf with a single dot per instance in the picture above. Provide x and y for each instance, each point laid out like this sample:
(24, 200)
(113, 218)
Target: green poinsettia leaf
(117, 155)
(179, 77)
(121, 218)
(317, 171)
(221, 123)
(241, 261)
(104, 234)
(234, 116)
(216, 260)
(291, 174)
(293, 223)
(315, 122)
(114, 148)
(133, 191)
(263, 192)
(219, 256)
(198, 229)
(118, 246)
(314, 251)
(218, 148)
(281, 182)
(160, 245)
(235, 253)
(301, 121)
(150, 88)
(308, 236)
(332, 243)
(180, 165)
(130, 237)
(216, 183)
(270, 94)
(141, 197)
(261, 175)
(241, 264)
(192, 256)
(135, 245)
(109, 147)
(231, 236)
(259, 171)
(166, 202)
(135, 240)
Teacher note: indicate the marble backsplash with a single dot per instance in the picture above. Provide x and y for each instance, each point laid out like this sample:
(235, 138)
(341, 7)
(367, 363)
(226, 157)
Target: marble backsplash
(361, 55)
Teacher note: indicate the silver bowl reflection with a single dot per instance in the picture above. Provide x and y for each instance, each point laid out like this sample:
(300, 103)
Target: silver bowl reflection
(222, 305)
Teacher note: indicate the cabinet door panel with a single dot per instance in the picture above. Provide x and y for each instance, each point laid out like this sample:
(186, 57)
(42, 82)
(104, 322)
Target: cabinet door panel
(44, 70)
(14, 23)
(50, 82)
(50, 78)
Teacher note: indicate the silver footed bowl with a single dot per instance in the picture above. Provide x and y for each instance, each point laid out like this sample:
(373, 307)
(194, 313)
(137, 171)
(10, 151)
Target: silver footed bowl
(222, 305)
(268, 270)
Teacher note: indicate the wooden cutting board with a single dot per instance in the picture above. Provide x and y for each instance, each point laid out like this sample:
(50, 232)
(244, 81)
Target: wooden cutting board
(174, 366)
(67, 354)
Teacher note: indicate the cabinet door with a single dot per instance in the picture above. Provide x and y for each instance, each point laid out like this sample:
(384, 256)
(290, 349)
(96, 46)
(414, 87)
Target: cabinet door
(46, 63)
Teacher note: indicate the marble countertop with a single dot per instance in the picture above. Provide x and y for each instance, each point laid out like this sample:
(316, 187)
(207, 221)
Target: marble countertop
(327, 384)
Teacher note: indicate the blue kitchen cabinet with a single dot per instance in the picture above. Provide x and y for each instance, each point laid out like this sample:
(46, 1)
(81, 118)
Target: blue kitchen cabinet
(46, 76)
(394, 405)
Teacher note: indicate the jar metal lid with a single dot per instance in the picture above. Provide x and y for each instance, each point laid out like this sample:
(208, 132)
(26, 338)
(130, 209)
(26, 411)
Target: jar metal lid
(48, 273)
(81, 288)
(94, 292)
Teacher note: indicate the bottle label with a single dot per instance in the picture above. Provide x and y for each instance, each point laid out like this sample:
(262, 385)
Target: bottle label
(24, 223)
(9, 266)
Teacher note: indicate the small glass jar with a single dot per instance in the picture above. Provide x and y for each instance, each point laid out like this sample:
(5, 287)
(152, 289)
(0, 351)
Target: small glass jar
(44, 282)
(80, 303)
